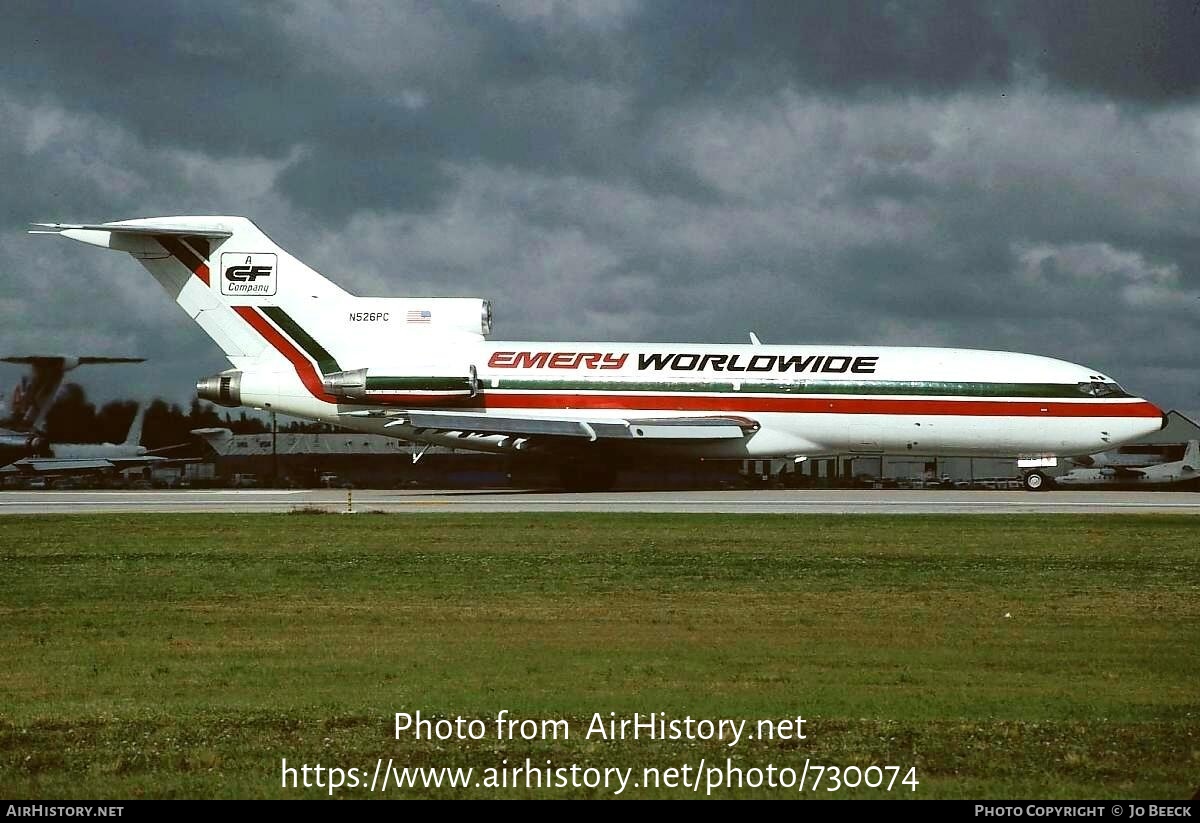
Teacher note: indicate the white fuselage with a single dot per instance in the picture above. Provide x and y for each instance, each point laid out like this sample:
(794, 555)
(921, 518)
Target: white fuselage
(80, 451)
(807, 399)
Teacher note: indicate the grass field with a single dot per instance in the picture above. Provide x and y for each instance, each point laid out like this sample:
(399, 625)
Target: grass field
(1010, 656)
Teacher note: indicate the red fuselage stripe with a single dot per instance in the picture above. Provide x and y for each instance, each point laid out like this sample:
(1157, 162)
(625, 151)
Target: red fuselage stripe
(796, 405)
(304, 368)
(724, 403)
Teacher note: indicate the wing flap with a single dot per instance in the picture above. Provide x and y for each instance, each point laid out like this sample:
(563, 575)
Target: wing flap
(491, 424)
(667, 428)
(691, 428)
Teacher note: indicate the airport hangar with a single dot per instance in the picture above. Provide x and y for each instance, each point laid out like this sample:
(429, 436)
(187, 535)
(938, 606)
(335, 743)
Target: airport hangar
(377, 461)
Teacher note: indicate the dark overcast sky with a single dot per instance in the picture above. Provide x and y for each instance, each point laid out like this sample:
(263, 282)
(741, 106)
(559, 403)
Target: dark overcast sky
(1014, 175)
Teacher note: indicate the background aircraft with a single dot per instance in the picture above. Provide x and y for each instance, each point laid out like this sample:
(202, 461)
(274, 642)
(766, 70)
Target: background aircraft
(1160, 474)
(21, 432)
(1134, 456)
(84, 458)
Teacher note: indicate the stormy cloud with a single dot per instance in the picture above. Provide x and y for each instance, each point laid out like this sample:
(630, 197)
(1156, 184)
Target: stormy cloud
(1010, 175)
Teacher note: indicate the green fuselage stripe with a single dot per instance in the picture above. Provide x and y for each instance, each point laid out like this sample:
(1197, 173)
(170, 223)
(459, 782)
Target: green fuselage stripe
(311, 347)
(418, 383)
(912, 388)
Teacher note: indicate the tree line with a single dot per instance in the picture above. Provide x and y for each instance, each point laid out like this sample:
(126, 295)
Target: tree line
(74, 419)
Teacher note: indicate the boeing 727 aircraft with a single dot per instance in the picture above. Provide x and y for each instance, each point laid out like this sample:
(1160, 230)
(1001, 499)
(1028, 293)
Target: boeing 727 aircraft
(422, 369)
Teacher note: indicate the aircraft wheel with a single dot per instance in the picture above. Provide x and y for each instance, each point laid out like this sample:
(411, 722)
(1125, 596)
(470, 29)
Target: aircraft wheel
(1036, 482)
(587, 477)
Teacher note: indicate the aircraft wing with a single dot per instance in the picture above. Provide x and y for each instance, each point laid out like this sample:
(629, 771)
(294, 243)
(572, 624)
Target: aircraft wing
(582, 428)
(1123, 471)
(162, 449)
(51, 465)
(146, 460)
(71, 465)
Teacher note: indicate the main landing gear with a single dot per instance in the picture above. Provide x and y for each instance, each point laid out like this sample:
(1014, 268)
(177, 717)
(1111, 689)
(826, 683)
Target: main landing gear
(585, 476)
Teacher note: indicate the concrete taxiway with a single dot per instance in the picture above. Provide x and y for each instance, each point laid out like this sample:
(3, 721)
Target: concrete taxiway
(827, 501)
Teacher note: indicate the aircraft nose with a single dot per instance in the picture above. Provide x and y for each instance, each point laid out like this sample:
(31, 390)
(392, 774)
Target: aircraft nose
(1163, 419)
(1145, 421)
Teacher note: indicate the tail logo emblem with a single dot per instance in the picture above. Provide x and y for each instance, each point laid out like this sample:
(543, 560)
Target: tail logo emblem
(248, 274)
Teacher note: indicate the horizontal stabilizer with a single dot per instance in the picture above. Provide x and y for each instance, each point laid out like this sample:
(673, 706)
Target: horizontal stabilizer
(141, 229)
(49, 359)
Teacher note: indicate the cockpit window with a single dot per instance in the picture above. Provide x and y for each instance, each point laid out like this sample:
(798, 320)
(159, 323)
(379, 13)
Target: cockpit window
(1097, 388)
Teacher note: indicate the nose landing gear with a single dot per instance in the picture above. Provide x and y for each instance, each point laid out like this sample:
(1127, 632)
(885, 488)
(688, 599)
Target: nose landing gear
(1036, 482)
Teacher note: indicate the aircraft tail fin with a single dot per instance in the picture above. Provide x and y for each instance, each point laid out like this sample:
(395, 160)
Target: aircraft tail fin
(1191, 456)
(270, 313)
(225, 272)
(134, 438)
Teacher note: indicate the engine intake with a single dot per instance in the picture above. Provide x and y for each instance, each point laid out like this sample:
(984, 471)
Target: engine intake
(488, 317)
(470, 315)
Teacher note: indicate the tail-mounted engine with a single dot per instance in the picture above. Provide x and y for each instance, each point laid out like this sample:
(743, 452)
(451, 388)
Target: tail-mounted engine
(30, 443)
(365, 386)
(470, 315)
(224, 389)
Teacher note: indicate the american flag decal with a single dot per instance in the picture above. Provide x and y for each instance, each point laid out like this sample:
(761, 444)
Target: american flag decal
(422, 316)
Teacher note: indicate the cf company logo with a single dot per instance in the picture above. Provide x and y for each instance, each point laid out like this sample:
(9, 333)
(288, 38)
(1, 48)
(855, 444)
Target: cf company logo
(248, 274)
